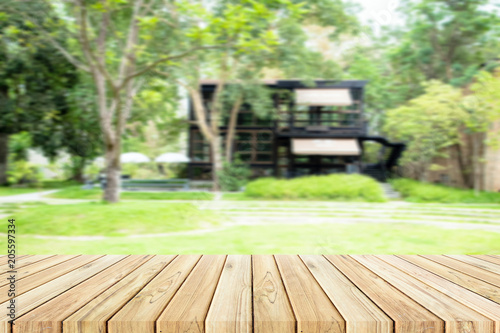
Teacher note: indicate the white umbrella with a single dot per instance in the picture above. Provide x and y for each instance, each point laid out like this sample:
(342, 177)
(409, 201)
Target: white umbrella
(172, 158)
(134, 158)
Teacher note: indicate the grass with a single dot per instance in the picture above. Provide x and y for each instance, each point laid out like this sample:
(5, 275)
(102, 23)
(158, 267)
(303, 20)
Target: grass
(76, 192)
(415, 191)
(45, 185)
(362, 238)
(128, 218)
(5, 191)
(340, 187)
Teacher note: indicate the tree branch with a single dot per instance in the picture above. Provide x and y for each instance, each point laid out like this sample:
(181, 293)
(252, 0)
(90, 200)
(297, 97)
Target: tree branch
(172, 57)
(74, 61)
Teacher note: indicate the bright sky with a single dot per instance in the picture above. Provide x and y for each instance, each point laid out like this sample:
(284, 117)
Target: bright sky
(380, 12)
(383, 12)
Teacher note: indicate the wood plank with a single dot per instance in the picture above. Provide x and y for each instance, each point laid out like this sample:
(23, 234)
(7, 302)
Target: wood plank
(466, 281)
(187, 310)
(23, 261)
(231, 307)
(40, 295)
(140, 314)
(457, 317)
(478, 263)
(93, 316)
(476, 302)
(359, 312)
(36, 267)
(5, 258)
(408, 315)
(40, 278)
(272, 310)
(493, 259)
(467, 269)
(312, 308)
(47, 318)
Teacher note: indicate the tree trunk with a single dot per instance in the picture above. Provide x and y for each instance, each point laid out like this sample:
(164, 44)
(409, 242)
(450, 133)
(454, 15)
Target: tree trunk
(4, 154)
(216, 161)
(113, 170)
(464, 170)
(476, 163)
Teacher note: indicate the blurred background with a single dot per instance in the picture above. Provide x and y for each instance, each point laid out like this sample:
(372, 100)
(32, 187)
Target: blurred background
(141, 104)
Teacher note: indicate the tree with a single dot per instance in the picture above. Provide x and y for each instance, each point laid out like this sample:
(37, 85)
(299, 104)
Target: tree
(483, 108)
(268, 35)
(383, 92)
(429, 124)
(73, 129)
(33, 83)
(117, 43)
(445, 40)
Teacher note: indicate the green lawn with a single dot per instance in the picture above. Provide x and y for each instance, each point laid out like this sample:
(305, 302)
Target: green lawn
(76, 192)
(97, 218)
(415, 191)
(5, 191)
(285, 239)
(45, 185)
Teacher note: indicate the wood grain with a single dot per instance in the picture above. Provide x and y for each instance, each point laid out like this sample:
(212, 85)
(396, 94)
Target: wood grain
(241, 293)
(480, 304)
(43, 293)
(458, 317)
(187, 311)
(312, 308)
(495, 260)
(23, 261)
(231, 307)
(359, 312)
(43, 277)
(140, 314)
(35, 267)
(478, 286)
(477, 262)
(272, 310)
(408, 315)
(48, 317)
(93, 316)
(466, 268)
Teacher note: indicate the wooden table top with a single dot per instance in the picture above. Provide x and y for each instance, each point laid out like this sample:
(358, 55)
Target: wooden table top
(261, 293)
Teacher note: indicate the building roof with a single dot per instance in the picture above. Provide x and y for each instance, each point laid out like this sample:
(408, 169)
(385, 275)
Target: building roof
(296, 83)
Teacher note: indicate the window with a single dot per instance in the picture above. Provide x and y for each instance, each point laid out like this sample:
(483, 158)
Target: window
(254, 146)
(200, 149)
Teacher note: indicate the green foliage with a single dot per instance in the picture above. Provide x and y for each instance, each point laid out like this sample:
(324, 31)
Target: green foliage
(24, 173)
(428, 124)
(371, 152)
(234, 176)
(334, 187)
(445, 40)
(18, 146)
(415, 191)
(483, 106)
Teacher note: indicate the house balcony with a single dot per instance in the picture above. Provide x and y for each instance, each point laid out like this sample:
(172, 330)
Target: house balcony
(306, 128)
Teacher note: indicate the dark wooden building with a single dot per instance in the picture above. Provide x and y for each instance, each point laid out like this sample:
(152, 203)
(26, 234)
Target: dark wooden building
(313, 130)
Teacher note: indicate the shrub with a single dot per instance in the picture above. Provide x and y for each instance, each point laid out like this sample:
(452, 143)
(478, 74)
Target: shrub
(332, 187)
(416, 191)
(24, 173)
(233, 176)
